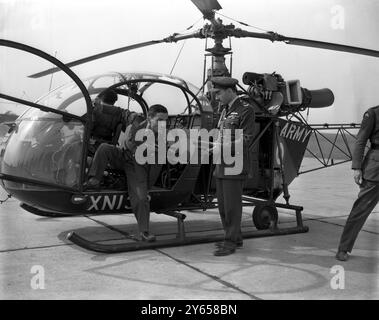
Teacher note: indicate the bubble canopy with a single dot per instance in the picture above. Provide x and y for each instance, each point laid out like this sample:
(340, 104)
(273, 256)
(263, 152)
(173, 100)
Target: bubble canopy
(49, 147)
(153, 88)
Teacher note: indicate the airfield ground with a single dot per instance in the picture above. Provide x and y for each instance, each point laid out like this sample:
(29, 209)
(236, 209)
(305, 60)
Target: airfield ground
(300, 266)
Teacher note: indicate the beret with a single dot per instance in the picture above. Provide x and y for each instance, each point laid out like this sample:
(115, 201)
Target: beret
(223, 83)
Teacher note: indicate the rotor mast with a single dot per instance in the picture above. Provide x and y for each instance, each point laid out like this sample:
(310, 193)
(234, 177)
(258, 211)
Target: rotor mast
(218, 32)
(218, 51)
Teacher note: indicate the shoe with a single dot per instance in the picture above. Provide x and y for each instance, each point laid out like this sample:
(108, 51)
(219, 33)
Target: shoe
(220, 244)
(92, 183)
(146, 236)
(224, 251)
(342, 255)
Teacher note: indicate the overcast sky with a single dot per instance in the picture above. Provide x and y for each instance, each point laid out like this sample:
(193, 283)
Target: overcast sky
(71, 29)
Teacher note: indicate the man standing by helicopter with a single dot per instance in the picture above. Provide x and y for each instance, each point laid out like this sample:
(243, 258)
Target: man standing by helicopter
(236, 114)
(366, 175)
(123, 157)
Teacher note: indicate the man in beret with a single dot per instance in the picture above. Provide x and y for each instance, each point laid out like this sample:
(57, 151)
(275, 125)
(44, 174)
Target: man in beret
(236, 114)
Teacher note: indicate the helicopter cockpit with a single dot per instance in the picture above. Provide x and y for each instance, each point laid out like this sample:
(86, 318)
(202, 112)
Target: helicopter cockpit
(49, 148)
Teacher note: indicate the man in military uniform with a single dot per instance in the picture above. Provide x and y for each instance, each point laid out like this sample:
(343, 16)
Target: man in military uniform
(236, 114)
(366, 175)
(123, 157)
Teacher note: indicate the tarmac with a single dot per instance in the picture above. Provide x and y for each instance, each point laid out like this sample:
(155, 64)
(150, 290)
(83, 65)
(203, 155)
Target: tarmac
(37, 262)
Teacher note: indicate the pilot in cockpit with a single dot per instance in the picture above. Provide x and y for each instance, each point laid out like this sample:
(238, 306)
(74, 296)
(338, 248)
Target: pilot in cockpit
(107, 119)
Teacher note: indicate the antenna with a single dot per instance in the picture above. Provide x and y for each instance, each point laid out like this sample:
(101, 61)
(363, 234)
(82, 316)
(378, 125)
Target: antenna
(177, 58)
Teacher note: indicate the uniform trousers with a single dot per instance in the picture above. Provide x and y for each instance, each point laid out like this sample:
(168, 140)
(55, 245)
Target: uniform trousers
(368, 198)
(229, 197)
(137, 178)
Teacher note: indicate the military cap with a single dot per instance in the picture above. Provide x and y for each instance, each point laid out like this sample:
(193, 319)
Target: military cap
(223, 83)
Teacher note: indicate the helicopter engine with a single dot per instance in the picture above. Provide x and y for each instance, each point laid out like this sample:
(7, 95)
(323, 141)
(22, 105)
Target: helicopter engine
(286, 96)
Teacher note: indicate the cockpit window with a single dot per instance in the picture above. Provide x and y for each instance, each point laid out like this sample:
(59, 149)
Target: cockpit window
(47, 150)
(171, 97)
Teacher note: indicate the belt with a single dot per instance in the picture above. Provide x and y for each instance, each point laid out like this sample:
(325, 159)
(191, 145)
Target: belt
(374, 146)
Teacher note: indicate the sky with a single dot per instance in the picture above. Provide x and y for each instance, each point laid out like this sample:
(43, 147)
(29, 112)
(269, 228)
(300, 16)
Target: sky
(72, 29)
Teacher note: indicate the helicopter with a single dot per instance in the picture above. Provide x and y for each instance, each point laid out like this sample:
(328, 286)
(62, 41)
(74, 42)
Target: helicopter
(47, 149)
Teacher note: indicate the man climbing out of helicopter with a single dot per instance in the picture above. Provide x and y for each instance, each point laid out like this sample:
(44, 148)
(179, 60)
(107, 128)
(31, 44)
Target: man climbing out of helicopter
(366, 175)
(123, 157)
(108, 119)
(236, 114)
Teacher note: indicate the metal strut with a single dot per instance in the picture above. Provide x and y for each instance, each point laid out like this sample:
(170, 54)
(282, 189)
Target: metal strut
(180, 222)
(286, 194)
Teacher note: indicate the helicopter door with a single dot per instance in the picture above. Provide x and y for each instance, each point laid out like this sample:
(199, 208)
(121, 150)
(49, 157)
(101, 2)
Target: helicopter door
(46, 147)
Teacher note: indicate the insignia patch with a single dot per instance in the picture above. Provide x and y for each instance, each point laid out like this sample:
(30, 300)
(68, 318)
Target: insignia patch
(233, 115)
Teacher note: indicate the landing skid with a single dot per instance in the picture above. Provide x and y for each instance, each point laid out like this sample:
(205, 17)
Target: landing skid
(181, 239)
(140, 245)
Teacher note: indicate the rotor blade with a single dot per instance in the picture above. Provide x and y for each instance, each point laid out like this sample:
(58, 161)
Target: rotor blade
(206, 6)
(331, 46)
(96, 56)
(172, 38)
(304, 42)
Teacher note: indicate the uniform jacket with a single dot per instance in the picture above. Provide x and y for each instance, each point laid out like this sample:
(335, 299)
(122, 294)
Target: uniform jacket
(369, 130)
(129, 144)
(106, 118)
(238, 116)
